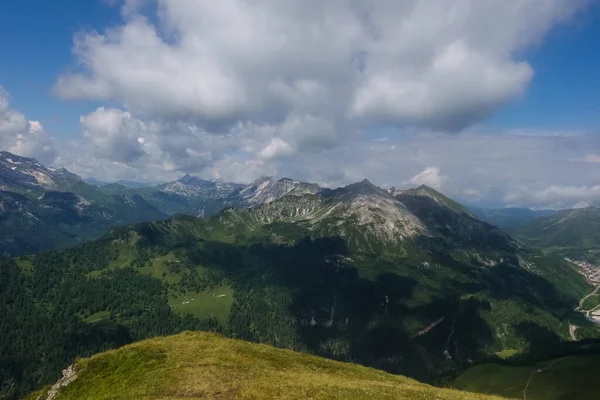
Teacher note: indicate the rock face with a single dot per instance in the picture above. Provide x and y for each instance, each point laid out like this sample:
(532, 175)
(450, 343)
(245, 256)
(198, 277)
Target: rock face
(192, 186)
(69, 375)
(365, 215)
(268, 189)
(23, 172)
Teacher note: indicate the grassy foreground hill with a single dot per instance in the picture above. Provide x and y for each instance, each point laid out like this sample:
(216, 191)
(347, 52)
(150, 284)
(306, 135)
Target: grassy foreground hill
(207, 366)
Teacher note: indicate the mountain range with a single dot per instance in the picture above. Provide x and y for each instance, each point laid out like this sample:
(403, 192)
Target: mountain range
(408, 281)
(43, 208)
(62, 209)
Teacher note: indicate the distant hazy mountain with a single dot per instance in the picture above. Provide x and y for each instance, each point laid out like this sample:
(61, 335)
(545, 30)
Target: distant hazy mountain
(43, 208)
(568, 228)
(95, 182)
(200, 197)
(510, 218)
(124, 183)
(268, 189)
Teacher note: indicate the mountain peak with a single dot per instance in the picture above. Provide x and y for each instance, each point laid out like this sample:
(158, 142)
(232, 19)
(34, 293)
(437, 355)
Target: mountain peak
(192, 180)
(425, 187)
(426, 191)
(264, 180)
(267, 189)
(11, 158)
(362, 187)
(186, 178)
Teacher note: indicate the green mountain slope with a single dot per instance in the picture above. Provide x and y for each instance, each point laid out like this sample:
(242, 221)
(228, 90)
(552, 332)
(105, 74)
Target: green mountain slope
(569, 228)
(413, 287)
(43, 208)
(510, 218)
(572, 377)
(200, 366)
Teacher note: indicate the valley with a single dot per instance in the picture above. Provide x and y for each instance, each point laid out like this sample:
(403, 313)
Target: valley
(406, 281)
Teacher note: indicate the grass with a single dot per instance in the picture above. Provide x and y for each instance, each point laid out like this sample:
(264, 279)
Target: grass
(101, 319)
(158, 268)
(207, 366)
(213, 303)
(591, 302)
(573, 378)
(25, 264)
(99, 316)
(507, 353)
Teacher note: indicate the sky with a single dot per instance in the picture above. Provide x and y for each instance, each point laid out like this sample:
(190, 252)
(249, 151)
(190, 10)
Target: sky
(493, 103)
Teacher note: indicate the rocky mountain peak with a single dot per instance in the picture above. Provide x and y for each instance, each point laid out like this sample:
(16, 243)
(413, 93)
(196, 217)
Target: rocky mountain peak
(358, 189)
(188, 179)
(363, 186)
(268, 189)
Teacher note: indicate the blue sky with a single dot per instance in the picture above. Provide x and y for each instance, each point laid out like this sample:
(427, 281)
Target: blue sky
(38, 37)
(230, 92)
(565, 91)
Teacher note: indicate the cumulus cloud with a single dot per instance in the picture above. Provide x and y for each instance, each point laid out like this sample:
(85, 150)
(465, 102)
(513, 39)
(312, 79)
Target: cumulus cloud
(430, 176)
(277, 148)
(114, 134)
(152, 149)
(427, 63)
(21, 136)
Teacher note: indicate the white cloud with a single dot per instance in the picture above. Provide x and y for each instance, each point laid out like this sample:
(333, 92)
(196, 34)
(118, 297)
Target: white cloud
(581, 204)
(277, 148)
(114, 134)
(23, 137)
(429, 63)
(430, 176)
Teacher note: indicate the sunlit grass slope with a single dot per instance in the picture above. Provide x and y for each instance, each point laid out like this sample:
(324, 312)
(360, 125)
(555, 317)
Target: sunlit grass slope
(208, 366)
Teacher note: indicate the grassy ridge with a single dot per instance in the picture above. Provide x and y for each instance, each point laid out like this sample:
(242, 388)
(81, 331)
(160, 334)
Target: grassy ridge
(571, 377)
(202, 365)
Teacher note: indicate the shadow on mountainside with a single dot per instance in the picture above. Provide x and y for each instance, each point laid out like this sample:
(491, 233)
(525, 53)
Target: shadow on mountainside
(310, 297)
(313, 296)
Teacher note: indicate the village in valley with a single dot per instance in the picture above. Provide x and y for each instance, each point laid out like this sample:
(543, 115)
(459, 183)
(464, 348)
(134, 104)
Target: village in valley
(590, 271)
